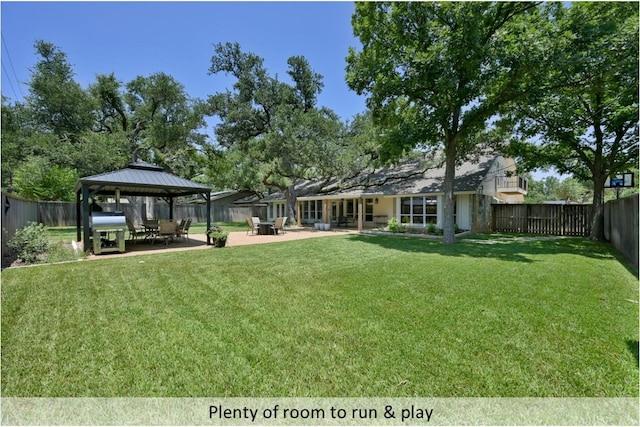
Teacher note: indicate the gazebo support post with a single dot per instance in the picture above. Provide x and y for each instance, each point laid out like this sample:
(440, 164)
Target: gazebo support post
(78, 217)
(85, 217)
(207, 197)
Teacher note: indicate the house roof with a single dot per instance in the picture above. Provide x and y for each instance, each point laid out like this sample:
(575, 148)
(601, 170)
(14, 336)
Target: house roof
(421, 176)
(141, 179)
(230, 196)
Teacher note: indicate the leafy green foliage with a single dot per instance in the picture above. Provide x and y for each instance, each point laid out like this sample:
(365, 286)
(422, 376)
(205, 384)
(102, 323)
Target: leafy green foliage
(82, 132)
(394, 226)
(164, 122)
(551, 188)
(272, 133)
(436, 72)
(16, 144)
(582, 115)
(38, 180)
(30, 242)
(57, 102)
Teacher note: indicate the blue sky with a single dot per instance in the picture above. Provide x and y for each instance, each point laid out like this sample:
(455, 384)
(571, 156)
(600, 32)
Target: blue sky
(134, 39)
(141, 38)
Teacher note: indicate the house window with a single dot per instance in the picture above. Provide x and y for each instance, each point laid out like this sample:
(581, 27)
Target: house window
(418, 210)
(312, 210)
(351, 211)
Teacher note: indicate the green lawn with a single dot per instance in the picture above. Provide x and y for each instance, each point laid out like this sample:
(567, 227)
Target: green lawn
(347, 316)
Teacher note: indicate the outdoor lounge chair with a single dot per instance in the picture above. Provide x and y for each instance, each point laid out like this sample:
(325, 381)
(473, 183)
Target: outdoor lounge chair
(134, 232)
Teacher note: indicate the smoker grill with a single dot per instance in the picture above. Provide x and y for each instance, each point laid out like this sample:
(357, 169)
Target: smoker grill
(108, 230)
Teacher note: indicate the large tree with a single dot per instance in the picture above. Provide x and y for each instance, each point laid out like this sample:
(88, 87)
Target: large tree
(62, 130)
(275, 130)
(583, 117)
(436, 72)
(57, 101)
(165, 123)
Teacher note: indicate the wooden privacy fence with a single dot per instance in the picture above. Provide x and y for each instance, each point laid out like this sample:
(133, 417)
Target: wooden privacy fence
(18, 213)
(560, 220)
(621, 220)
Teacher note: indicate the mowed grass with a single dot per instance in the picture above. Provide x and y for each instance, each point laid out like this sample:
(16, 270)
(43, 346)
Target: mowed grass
(344, 316)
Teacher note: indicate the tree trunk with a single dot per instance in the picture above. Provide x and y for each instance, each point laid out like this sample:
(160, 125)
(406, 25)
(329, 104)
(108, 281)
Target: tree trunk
(291, 204)
(597, 210)
(448, 227)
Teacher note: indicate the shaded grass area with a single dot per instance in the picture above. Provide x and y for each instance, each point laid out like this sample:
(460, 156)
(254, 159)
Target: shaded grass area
(338, 316)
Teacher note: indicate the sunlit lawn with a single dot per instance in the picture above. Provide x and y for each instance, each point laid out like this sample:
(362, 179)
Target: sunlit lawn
(338, 316)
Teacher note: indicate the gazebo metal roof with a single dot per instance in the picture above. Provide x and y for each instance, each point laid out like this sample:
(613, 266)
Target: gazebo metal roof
(139, 178)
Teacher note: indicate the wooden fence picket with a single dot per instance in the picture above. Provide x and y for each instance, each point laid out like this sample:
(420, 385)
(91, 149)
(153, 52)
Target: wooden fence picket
(560, 220)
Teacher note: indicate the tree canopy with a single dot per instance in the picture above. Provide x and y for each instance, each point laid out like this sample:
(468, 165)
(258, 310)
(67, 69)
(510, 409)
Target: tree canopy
(582, 116)
(274, 132)
(436, 72)
(63, 131)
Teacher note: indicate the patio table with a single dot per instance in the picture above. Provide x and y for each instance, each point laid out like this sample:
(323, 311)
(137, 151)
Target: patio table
(266, 228)
(150, 229)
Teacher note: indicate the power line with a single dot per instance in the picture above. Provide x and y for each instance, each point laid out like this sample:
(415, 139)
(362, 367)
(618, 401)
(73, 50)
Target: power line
(9, 80)
(15, 76)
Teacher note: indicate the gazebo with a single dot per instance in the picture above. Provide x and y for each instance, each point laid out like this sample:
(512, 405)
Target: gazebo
(139, 178)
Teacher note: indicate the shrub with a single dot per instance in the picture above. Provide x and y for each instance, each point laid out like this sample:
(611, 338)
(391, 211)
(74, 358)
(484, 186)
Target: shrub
(394, 226)
(431, 228)
(29, 242)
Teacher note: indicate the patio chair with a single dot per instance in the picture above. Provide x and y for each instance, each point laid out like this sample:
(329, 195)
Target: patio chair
(253, 226)
(166, 231)
(183, 228)
(135, 232)
(279, 224)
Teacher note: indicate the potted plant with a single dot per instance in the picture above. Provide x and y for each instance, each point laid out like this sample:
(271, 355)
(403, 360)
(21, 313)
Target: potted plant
(218, 237)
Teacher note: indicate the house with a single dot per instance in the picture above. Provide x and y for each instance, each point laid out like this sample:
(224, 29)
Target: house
(412, 192)
(228, 197)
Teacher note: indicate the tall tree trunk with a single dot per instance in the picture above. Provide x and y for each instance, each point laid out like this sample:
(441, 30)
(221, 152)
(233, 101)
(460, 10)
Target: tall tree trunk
(291, 204)
(449, 233)
(597, 210)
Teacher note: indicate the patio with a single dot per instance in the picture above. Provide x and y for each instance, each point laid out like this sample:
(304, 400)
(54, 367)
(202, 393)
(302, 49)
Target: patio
(236, 238)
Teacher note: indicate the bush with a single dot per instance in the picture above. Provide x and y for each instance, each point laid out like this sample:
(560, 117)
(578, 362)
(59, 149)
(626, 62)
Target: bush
(29, 242)
(394, 226)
